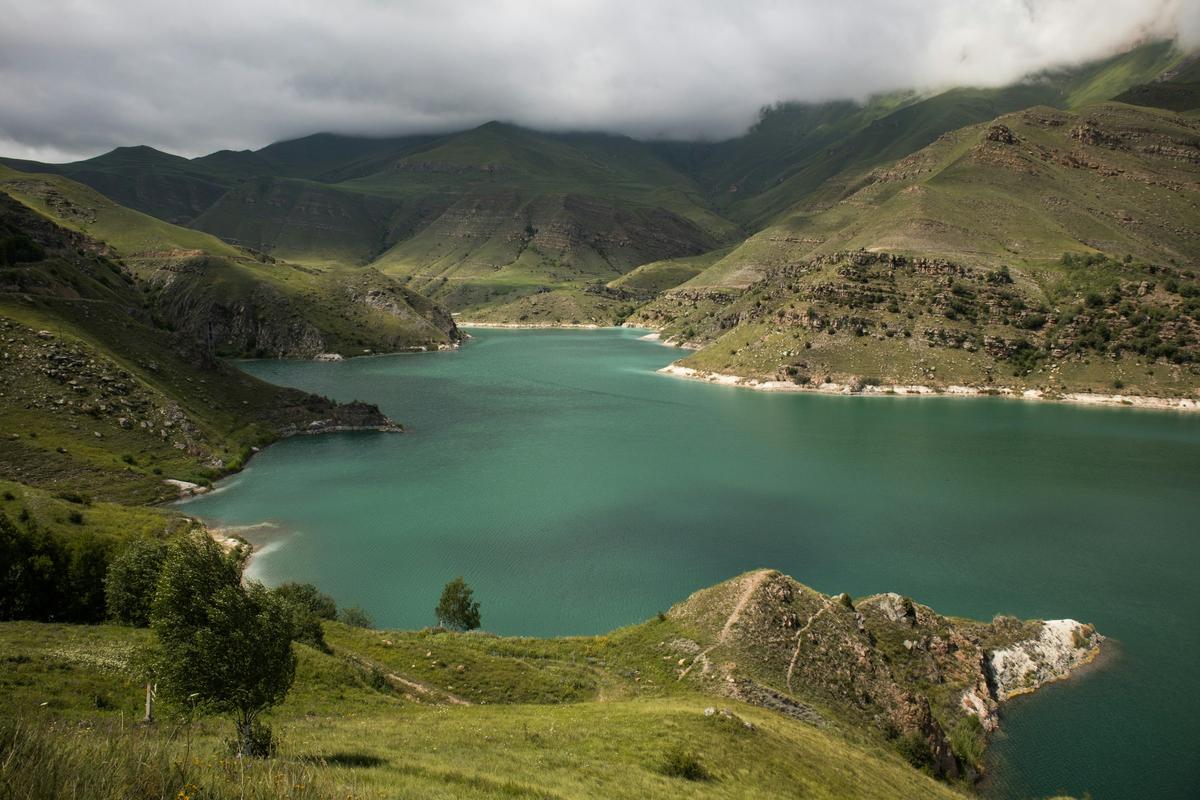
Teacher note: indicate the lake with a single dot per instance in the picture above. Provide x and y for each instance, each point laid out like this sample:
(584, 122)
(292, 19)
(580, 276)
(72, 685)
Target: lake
(578, 491)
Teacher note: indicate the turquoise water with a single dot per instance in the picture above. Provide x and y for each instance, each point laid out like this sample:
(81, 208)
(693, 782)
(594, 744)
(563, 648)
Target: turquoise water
(577, 491)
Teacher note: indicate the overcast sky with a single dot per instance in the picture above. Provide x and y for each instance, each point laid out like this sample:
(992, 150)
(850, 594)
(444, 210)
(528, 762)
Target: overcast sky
(78, 77)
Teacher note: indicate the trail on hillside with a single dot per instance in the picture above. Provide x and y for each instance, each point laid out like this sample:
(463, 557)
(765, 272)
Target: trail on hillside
(753, 583)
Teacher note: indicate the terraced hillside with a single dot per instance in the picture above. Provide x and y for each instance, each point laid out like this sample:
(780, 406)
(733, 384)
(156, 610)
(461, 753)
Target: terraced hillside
(1044, 250)
(708, 700)
(105, 398)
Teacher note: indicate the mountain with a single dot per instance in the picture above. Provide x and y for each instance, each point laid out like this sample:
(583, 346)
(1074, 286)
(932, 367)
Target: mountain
(492, 219)
(757, 687)
(1044, 250)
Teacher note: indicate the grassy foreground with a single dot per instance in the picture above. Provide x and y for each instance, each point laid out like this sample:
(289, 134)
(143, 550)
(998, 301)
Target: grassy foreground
(559, 718)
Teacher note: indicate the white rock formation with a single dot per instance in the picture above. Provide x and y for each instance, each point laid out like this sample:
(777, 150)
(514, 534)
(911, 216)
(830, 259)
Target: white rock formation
(1061, 646)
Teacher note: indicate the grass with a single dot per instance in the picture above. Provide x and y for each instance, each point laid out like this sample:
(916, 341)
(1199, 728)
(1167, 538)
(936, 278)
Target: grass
(784, 303)
(339, 736)
(110, 521)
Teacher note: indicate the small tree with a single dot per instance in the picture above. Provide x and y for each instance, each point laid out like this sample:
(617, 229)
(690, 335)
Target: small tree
(320, 604)
(356, 617)
(308, 606)
(457, 610)
(222, 645)
(132, 580)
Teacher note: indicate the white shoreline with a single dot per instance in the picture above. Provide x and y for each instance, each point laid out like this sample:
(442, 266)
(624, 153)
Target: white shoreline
(590, 326)
(917, 390)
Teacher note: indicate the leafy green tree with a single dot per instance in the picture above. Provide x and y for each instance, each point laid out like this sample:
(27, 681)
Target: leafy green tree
(457, 610)
(132, 581)
(224, 646)
(33, 571)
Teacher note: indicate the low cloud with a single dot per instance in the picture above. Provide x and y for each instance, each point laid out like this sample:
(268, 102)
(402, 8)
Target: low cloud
(78, 77)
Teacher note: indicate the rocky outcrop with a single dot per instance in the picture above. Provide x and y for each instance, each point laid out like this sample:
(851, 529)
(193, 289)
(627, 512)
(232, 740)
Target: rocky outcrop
(885, 660)
(342, 417)
(1059, 647)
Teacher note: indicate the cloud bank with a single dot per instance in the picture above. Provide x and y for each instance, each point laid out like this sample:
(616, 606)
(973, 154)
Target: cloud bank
(78, 77)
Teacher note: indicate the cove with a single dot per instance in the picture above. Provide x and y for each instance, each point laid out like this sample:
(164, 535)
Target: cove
(578, 491)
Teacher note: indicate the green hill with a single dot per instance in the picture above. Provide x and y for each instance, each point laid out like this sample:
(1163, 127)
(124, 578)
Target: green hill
(105, 396)
(246, 304)
(437, 714)
(160, 184)
(1046, 250)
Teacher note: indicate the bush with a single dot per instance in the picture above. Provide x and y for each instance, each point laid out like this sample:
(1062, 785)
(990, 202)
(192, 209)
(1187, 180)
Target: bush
(356, 617)
(310, 597)
(18, 248)
(915, 750)
(308, 607)
(1032, 322)
(257, 742)
(967, 741)
(680, 763)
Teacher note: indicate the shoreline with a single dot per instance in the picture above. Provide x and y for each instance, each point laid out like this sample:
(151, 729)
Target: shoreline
(918, 390)
(589, 326)
(229, 538)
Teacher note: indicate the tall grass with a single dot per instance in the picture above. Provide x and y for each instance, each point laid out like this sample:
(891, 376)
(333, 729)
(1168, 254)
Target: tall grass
(55, 760)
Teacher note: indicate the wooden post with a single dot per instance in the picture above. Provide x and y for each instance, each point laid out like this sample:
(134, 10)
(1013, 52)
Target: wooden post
(150, 692)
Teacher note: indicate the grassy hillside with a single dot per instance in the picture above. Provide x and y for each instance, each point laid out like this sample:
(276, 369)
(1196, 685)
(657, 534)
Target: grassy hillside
(349, 734)
(1177, 89)
(245, 304)
(1020, 190)
(809, 154)
(437, 714)
(162, 185)
(1046, 250)
(101, 397)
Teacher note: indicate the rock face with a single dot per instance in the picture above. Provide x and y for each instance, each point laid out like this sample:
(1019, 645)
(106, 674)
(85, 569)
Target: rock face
(884, 661)
(1061, 646)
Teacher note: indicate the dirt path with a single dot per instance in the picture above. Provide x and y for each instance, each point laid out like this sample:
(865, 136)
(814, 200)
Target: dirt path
(419, 690)
(799, 642)
(756, 580)
(753, 583)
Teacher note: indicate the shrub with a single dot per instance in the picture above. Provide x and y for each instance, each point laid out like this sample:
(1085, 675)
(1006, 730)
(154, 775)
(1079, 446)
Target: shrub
(680, 763)
(309, 606)
(356, 617)
(967, 741)
(1032, 322)
(915, 750)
